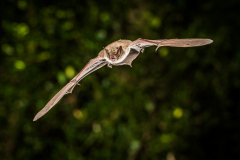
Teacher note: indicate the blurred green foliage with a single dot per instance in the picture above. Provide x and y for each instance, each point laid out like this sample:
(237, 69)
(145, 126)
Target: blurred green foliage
(177, 103)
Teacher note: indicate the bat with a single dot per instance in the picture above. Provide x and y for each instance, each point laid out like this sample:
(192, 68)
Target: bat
(121, 52)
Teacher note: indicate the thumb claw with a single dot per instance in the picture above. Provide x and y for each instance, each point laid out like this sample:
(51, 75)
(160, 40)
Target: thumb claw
(75, 82)
(157, 47)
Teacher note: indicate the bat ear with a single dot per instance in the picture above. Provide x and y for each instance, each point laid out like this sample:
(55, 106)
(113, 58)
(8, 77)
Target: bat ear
(101, 53)
(119, 52)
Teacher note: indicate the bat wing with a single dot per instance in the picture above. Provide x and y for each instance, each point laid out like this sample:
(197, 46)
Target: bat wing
(92, 66)
(130, 57)
(140, 44)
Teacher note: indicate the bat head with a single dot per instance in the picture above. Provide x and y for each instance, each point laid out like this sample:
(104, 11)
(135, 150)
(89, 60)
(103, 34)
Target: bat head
(113, 53)
(115, 50)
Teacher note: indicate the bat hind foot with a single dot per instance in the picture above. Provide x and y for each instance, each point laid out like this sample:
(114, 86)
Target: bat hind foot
(109, 65)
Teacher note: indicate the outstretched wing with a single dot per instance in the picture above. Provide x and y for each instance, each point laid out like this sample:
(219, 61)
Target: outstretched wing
(140, 44)
(92, 66)
(192, 42)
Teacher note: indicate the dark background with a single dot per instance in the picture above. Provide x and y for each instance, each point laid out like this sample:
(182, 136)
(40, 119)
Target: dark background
(176, 103)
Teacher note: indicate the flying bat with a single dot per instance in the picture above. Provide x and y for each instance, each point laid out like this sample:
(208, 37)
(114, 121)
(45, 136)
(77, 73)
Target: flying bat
(121, 52)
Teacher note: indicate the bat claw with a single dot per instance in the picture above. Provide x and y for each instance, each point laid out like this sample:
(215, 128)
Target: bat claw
(71, 89)
(75, 82)
(158, 45)
(109, 65)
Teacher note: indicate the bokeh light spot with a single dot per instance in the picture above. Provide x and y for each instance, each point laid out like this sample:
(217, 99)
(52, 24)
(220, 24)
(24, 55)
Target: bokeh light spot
(177, 113)
(61, 78)
(60, 13)
(43, 56)
(22, 29)
(163, 51)
(77, 113)
(67, 25)
(101, 34)
(22, 4)
(135, 144)
(155, 22)
(19, 65)
(7, 49)
(96, 127)
(149, 106)
(105, 17)
(48, 85)
(170, 156)
(166, 138)
(70, 72)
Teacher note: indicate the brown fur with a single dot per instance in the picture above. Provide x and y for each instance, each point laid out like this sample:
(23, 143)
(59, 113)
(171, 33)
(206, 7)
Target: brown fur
(113, 48)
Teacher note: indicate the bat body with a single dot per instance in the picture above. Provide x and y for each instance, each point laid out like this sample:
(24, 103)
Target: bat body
(121, 52)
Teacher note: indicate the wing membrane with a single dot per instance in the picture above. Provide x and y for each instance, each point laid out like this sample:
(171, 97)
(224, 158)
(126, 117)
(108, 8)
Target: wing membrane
(140, 44)
(92, 66)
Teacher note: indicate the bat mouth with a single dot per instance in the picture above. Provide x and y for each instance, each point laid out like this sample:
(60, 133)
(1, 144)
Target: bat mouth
(113, 59)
